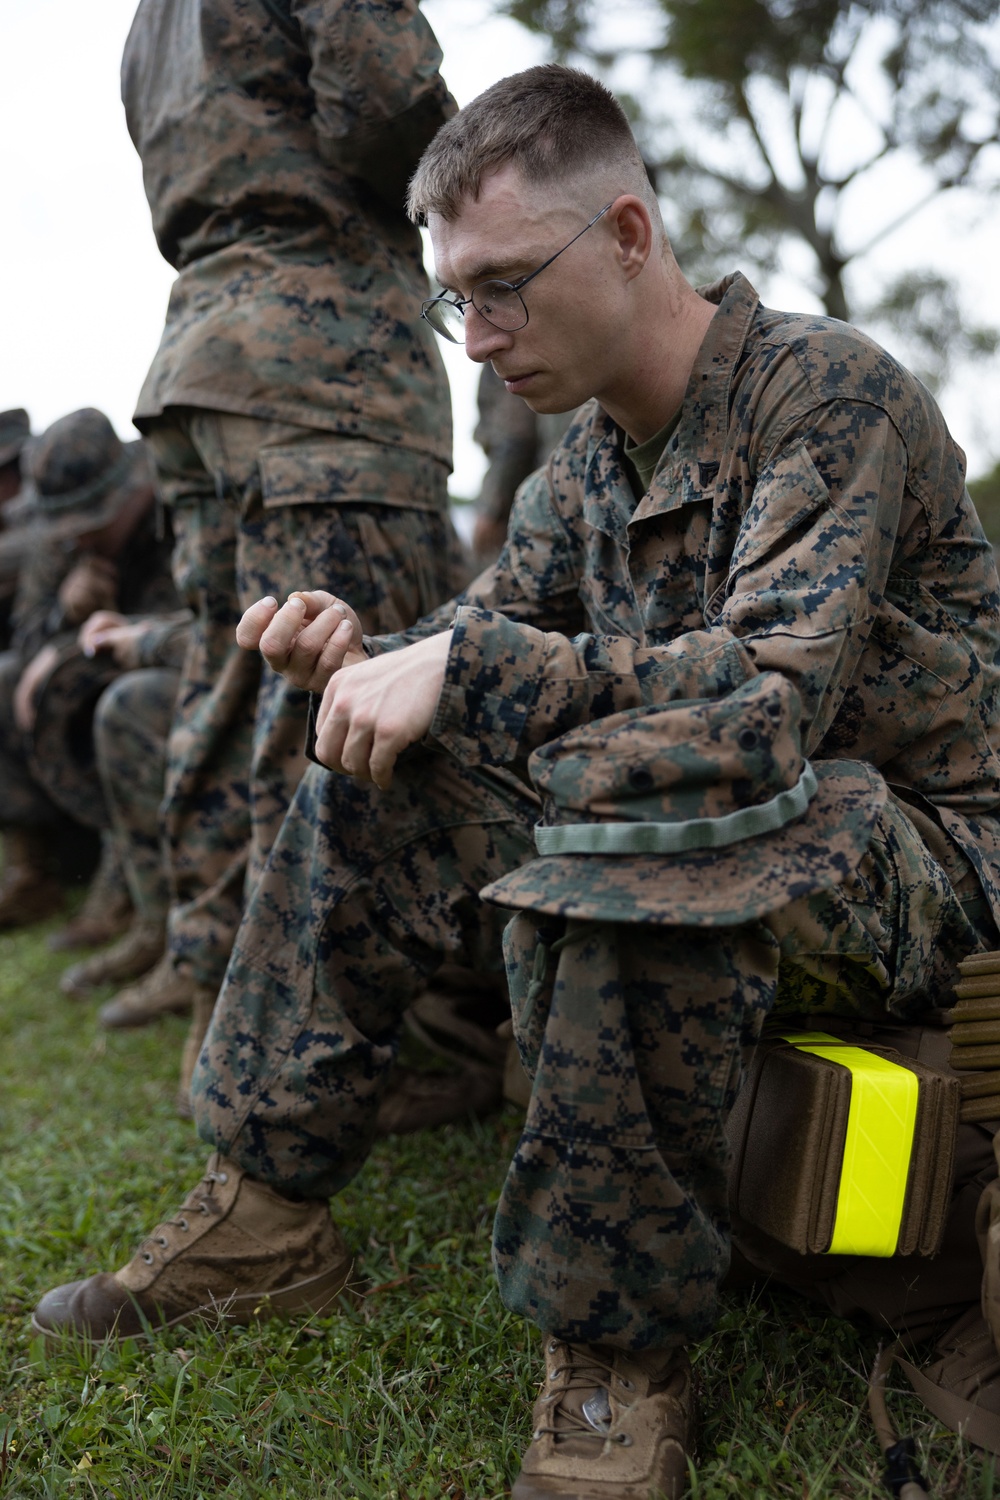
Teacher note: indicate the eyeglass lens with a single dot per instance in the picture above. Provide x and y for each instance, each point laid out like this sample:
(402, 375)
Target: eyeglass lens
(495, 301)
(499, 304)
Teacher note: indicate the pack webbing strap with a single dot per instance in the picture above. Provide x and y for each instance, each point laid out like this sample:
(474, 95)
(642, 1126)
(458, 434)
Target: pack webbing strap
(974, 1423)
(877, 1147)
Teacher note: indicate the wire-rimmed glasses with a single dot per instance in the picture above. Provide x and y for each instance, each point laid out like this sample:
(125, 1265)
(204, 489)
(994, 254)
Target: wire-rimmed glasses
(499, 302)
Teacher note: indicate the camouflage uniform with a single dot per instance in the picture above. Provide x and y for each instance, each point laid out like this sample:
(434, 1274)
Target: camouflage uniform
(296, 409)
(131, 730)
(808, 518)
(82, 444)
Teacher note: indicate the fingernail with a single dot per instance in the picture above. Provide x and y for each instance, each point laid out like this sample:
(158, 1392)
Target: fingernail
(88, 650)
(299, 604)
(341, 608)
(344, 624)
(269, 599)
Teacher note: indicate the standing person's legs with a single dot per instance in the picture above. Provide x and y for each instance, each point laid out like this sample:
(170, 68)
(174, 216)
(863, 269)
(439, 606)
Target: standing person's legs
(264, 508)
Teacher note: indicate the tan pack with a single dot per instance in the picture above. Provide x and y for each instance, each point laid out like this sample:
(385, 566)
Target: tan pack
(792, 1125)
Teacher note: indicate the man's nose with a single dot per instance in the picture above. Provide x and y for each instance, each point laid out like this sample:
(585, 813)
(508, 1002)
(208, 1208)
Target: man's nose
(483, 340)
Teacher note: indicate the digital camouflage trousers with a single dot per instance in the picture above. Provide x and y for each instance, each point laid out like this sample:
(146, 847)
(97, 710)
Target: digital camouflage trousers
(613, 1223)
(265, 508)
(131, 730)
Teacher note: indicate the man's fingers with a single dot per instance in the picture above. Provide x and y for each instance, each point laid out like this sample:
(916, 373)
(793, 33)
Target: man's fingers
(281, 637)
(331, 731)
(318, 632)
(254, 622)
(338, 649)
(355, 757)
(382, 760)
(315, 600)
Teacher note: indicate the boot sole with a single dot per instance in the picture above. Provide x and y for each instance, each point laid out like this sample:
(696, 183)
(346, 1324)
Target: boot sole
(144, 1018)
(312, 1298)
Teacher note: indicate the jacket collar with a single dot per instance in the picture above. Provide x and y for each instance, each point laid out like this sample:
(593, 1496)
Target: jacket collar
(689, 464)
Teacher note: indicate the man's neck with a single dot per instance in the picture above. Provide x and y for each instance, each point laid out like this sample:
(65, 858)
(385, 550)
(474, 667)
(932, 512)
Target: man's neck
(663, 354)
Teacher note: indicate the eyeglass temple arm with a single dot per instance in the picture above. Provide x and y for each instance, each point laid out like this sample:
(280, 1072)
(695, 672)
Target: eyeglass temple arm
(517, 285)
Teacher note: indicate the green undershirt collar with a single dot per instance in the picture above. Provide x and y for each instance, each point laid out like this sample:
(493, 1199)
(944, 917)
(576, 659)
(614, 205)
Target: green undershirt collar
(640, 459)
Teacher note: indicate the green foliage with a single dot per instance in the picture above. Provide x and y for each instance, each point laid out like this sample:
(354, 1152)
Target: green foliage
(931, 332)
(746, 108)
(420, 1392)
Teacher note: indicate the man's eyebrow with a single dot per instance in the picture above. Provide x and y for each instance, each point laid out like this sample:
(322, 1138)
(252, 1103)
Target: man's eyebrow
(492, 271)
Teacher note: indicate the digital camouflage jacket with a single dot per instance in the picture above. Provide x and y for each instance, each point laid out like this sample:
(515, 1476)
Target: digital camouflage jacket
(276, 139)
(809, 516)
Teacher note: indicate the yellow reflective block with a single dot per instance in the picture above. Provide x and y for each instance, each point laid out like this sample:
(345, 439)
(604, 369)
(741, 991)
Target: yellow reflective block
(877, 1147)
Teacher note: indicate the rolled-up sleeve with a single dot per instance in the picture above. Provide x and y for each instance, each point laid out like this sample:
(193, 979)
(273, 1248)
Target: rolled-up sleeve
(379, 95)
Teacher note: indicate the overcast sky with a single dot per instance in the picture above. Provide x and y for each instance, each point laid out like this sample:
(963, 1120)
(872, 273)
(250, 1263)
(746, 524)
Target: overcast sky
(83, 287)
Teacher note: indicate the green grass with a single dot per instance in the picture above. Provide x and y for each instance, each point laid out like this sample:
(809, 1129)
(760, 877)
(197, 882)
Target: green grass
(423, 1391)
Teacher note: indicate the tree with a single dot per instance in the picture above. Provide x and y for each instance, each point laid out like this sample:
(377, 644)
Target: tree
(774, 123)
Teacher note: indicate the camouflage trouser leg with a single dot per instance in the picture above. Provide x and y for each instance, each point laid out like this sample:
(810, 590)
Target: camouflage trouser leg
(613, 1222)
(264, 508)
(365, 894)
(131, 728)
(23, 803)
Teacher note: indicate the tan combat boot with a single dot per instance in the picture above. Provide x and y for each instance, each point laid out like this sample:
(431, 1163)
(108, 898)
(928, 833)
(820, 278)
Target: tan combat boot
(201, 1014)
(235, 1251)
(609, 1426)
(133, 955)
(162, 992)
(28, 893)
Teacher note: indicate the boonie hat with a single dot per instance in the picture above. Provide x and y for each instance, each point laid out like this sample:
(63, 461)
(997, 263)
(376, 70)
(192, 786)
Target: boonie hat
(82, 473)
(15, 430)
(702, 812)
(61, 750)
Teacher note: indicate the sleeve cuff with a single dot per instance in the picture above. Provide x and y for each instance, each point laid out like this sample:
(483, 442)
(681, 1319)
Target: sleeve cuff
(490, 687)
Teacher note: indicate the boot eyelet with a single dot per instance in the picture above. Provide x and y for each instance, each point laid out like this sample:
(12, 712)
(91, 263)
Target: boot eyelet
(147, 1257)
(553, 1347)
(623, 1439)
(183, 1224)
(203, 1208)
(162, 1241)
(222, 1177)
(628, 1385)
(536, 1436)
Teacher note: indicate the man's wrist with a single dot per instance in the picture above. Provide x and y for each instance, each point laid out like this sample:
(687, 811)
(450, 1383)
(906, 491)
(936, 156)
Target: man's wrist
(490, 685)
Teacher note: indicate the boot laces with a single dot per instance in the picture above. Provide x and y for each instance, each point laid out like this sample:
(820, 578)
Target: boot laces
(591, 1418)
(195, 1202)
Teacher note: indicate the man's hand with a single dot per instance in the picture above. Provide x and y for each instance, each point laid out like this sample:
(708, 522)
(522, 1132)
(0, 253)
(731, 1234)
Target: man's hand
(307, 640)
(31, 679)
(113, 633)
(373, 709)
(89, 586)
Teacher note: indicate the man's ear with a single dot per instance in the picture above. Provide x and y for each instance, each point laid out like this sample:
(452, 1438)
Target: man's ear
(633, 229)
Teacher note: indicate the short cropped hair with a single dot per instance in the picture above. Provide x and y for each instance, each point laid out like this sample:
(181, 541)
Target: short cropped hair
(549, 122)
